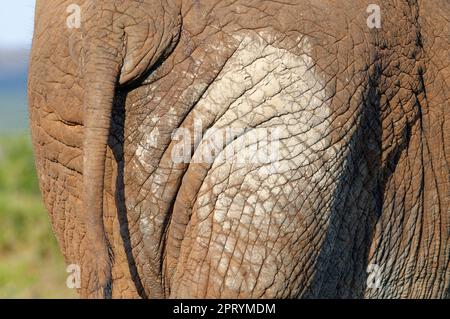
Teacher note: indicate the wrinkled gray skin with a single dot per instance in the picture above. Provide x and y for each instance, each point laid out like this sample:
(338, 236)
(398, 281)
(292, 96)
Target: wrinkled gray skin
(362, 177)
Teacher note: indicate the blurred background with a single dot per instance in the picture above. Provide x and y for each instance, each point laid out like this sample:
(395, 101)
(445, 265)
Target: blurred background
(31, 265)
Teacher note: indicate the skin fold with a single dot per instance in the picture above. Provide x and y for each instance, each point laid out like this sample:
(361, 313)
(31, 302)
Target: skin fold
(361, 180)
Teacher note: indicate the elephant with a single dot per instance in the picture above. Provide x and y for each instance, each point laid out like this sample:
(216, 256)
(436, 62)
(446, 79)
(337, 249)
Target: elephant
(354, 96)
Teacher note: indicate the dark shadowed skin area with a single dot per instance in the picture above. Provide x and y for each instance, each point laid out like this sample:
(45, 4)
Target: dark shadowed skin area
(362, 179)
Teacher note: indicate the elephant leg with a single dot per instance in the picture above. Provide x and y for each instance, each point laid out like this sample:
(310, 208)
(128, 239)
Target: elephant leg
(410, 243)
(327, 189)
(255, 229)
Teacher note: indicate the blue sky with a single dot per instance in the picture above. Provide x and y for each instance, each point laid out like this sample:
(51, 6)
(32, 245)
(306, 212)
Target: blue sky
(16, 23)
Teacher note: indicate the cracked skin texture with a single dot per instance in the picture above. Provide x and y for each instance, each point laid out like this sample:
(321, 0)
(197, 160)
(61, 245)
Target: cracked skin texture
(363, 170)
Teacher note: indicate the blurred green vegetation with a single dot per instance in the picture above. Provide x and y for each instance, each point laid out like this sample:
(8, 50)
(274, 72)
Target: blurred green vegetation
(31, 265)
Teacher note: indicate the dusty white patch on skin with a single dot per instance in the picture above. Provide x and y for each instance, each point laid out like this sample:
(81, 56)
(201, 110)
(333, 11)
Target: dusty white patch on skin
(143, 151)
(264, 86)
(144, 225)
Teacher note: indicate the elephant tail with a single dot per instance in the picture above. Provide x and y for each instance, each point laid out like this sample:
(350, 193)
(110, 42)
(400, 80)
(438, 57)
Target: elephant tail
(106, 68)
(100, 84)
